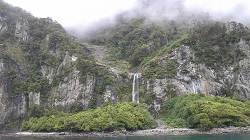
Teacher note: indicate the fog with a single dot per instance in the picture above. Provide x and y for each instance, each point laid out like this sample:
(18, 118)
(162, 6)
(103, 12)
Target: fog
(237, 10)
(79, 16)
(221, 10)
(226, 10)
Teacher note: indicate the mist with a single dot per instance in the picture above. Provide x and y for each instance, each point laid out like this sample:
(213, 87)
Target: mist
(81, 16)
(223, 10)
(157, 10)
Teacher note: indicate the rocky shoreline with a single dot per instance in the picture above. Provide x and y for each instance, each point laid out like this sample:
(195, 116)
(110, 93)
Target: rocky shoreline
(150, 132)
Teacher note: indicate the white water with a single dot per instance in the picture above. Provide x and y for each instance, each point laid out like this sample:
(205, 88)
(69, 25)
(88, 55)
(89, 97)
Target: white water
(135, 91)
(194, 88)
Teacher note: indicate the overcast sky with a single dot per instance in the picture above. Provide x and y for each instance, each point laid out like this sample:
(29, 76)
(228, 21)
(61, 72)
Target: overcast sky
(75, 12)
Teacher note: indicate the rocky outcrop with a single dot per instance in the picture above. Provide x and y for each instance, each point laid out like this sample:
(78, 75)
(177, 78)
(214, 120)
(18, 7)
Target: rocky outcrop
(22, 30)
(10, 104)
(109, 95)
(71, 91)
(34, 99)
(47, 72)
(3, 25)
(195, 78)
(2, 106)
(242, 83)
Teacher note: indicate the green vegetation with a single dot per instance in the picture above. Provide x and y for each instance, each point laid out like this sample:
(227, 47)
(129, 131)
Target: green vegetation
(170, 90)
(13, 121)
(156, 69)
(216, 45)
(135, 38)
(124, 90)
(135, 43)
(143, 43)
(47, 45)
(204, 112)
(37, 111)
(129, 116)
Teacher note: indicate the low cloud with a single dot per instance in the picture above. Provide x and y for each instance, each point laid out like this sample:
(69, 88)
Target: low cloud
(222, 10)
(227, 10)
(79, 16)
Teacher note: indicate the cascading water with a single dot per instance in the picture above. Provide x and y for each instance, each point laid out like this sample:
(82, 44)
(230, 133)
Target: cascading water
(135, 92)
(194, 88)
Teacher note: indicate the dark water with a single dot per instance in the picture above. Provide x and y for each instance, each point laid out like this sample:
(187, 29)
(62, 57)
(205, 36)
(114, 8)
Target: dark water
(188, 137)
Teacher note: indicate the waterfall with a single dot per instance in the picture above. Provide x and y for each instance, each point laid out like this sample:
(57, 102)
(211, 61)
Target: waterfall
(135, 92)
(194, 88)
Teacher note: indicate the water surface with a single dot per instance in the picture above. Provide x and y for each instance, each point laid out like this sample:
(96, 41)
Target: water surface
(186, 137)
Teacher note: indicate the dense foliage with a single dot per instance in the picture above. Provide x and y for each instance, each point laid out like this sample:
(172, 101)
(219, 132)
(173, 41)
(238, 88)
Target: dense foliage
(199, 111)
(215, 43)
(135, 38)
(129, 116)
(144, 43)
(46, 45)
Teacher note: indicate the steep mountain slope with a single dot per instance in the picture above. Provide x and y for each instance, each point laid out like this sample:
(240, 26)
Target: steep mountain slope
(43, 68)
(176, 57)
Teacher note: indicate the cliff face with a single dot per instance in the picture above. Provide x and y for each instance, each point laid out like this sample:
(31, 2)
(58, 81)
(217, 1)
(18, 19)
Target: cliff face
(208, 57)
(12, 67)
(41, 65)
(242, 78)
(10, 104)
(198, 78)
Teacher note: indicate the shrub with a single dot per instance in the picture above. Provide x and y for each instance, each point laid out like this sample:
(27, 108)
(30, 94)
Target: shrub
(199, 111)
(129, 116)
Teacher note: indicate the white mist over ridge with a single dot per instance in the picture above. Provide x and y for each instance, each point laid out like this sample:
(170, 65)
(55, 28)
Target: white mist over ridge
(222, 10)
(226, 10)
(77, 16)
(236, 10)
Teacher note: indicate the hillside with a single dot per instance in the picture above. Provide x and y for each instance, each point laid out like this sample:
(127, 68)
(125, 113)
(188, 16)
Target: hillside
(202, 56)
(45, 73)
(43, 67)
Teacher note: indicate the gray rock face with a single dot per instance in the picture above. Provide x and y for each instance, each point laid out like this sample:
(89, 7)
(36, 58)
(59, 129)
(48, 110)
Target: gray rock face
(47, 72)
(22, 30)
(109, 95)
(2, 106)
(243, 78)
(194, 78)
(71, 91)
(34, 99)
(10, 105)
(3, 25)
